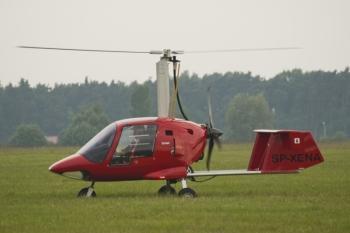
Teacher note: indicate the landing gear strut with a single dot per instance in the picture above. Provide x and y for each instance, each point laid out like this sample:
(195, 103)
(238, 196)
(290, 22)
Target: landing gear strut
(186, 192)
(88, 191)
(167, 190)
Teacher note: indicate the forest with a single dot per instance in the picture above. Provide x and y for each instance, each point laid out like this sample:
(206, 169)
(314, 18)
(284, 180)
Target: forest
(315, 100)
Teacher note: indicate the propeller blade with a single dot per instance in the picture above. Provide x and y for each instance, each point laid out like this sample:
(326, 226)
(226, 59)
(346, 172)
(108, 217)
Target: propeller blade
(212, 133)
(241, 50)
(209, 109)
(218, 142)
(210, 150)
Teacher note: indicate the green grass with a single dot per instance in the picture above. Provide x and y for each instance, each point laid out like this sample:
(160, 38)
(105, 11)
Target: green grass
(35, 200)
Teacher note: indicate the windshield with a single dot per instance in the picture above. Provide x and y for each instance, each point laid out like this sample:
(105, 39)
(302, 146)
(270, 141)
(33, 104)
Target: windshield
(96, 149)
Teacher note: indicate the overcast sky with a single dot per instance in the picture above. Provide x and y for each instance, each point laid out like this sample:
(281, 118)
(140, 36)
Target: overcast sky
(320, 27)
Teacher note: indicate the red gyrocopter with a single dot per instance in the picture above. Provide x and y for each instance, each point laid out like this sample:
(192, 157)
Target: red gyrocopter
(165, 147)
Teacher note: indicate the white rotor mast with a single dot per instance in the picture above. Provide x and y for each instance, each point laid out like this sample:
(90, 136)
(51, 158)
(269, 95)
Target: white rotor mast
(163, 92)
(163, 86)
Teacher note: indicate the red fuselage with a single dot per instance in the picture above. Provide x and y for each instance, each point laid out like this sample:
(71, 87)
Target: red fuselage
(170, 146)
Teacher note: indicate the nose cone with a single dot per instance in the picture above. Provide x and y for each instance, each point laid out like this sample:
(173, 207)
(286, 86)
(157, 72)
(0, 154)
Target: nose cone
(70, 163)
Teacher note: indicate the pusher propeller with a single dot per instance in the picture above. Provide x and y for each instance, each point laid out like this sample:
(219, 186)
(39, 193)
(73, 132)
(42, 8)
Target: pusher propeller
(212, 133)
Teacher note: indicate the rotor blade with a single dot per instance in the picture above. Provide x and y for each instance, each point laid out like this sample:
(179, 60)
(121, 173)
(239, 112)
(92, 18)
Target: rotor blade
(241, 50)
(176, 52)
(209, 109)
(91, 50)
(210, 150)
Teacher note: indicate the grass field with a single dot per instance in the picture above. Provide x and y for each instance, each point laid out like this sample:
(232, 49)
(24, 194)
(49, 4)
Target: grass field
(35, 200)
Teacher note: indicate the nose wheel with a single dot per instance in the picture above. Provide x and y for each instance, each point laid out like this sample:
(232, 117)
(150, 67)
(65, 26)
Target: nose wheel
(88, 191)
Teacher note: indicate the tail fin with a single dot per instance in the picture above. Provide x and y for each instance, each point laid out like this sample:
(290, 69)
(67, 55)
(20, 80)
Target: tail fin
(283, 151)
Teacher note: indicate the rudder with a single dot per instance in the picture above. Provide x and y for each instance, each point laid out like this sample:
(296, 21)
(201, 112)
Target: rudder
(283, 151)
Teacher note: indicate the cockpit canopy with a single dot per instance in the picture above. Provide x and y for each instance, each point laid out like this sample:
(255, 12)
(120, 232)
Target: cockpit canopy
(96, 149)
(135, 140)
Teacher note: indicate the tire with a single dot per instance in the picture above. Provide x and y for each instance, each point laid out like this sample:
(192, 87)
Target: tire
(166, 190)
(187, 193)
(83, 193)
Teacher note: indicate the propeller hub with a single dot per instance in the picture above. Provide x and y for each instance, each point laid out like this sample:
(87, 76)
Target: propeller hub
(213, 132)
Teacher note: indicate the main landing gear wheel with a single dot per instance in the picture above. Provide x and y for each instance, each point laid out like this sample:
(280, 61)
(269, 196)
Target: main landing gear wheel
(166, 190)
(187, 193)
(87, 192)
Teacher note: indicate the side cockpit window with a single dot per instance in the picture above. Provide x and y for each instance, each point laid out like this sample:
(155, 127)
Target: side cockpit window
(135, 141)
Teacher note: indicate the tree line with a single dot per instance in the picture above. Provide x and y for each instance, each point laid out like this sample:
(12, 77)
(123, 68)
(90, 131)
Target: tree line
(318, 101)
